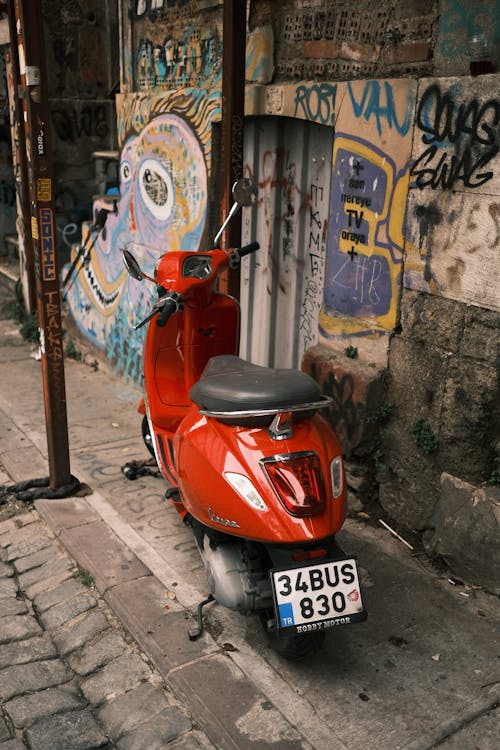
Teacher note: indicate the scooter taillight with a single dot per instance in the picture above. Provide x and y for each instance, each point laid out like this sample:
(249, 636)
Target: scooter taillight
(298, 480)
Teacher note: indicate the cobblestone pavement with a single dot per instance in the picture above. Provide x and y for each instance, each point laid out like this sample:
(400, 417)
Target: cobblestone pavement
(70, 677)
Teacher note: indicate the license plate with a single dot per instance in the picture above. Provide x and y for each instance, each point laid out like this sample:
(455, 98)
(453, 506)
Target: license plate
(318, 596)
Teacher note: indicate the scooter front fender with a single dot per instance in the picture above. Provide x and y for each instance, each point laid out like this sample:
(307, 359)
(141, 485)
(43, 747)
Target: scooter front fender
(205, 449)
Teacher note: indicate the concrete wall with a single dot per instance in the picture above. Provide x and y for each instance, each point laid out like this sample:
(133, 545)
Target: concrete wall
(448, 346)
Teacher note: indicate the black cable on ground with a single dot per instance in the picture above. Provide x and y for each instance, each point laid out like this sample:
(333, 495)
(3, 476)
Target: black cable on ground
(135, 469)
(34, 489)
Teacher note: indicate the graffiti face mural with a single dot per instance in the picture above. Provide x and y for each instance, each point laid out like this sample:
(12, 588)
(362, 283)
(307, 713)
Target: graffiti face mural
(162, 206)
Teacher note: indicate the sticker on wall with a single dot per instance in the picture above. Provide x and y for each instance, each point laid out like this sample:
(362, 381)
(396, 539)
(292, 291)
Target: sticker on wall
(44, 189)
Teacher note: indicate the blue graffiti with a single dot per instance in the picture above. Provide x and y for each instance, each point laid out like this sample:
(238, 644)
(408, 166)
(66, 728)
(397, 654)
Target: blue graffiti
(461, 22)
(316, 102)
(378, 102)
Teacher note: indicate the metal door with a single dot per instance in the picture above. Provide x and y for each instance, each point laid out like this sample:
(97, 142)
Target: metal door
(282, 284)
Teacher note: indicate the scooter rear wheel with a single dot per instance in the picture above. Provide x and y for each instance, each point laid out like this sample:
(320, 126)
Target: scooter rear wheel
(293, 646)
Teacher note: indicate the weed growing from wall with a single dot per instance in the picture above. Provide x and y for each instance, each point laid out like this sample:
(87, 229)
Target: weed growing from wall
(72, 352)
(423, 436)
(28, 324)
(494, 478)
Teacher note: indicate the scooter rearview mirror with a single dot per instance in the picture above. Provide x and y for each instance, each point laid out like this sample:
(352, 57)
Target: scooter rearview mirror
(132, 265)
(244, 193)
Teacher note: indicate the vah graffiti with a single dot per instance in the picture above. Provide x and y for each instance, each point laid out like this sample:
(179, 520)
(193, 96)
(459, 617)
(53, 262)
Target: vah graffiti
(378, 101)
(461, 138)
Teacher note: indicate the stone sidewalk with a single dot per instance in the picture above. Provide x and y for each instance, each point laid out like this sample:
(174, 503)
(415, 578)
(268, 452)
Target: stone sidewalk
(70, 677)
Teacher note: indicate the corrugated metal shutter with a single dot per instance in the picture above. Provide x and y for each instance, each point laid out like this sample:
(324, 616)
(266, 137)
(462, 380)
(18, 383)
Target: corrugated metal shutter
(282, 284)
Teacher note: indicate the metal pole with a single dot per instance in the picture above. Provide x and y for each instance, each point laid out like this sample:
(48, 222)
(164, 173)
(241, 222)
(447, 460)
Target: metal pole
(36, 113)
(233, 111)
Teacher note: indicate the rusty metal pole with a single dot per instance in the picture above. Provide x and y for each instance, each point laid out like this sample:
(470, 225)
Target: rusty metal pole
(233, 112)
(28, 24)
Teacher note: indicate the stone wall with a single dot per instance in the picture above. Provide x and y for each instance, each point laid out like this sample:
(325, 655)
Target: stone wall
(445, 391)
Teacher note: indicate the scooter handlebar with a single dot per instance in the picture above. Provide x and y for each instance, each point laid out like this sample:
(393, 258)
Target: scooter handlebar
(240, 252)
(247, 249)
(169, 307)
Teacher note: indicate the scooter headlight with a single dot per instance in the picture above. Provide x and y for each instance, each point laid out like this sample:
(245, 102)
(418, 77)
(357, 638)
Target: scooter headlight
(298, 481)
(245, 489)
(337, 476)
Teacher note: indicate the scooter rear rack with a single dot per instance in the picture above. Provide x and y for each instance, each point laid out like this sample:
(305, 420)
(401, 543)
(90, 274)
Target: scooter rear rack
(280, 428)
(247, 414)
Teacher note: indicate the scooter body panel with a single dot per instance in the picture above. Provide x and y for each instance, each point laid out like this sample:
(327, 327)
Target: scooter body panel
(176, 355)
(205, 449)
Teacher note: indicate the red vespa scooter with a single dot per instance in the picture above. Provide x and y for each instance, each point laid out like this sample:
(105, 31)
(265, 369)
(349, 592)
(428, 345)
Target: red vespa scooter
(253, 467)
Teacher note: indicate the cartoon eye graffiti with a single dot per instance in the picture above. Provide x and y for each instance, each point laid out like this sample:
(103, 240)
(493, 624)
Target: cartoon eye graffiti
(156, 188)
(125, 172)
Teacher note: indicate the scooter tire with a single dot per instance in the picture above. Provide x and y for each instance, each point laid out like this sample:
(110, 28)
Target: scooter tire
(146, 435)
(294, 646)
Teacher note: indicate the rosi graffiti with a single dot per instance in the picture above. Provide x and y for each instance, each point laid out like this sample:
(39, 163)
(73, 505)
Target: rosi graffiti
(469, 129)
(316, 102)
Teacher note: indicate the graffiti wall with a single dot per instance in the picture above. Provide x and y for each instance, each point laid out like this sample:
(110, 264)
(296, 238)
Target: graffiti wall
(343, 227)
(164, 162)
(174, 44)
(165, 139)
(365, 248)
(453, 220)
(362, 256)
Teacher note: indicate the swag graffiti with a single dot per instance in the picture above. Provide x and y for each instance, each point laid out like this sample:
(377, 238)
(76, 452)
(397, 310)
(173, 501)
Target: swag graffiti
(462, 139)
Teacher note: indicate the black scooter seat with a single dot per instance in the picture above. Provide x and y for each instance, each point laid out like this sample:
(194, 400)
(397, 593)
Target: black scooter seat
(230, 384)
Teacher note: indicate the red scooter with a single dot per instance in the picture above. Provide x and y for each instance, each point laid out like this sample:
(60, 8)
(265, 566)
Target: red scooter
(253, 467)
